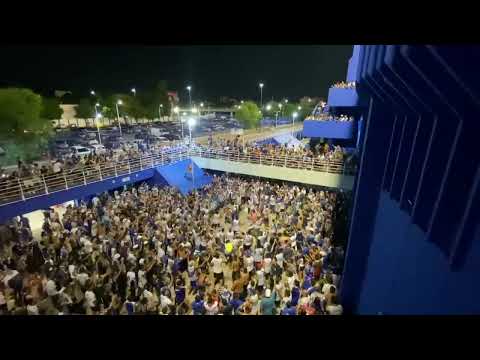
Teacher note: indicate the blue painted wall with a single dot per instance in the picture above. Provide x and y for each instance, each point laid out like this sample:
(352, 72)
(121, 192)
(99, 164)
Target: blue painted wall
(414, 244)
(338, 97)
(353, 64)
(45, 201)
(329, 129)
(409, 275)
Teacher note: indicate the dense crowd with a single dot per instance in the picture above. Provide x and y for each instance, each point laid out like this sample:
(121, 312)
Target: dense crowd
(344, 85)
(67, 164)
(329, 117)
(324, 151)
(238, 246)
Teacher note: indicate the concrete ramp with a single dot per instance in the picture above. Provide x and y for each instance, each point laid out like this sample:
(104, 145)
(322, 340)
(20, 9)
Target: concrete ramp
(180, 176)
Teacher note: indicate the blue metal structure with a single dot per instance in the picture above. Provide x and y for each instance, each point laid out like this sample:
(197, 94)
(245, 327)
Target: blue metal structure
(414, 243)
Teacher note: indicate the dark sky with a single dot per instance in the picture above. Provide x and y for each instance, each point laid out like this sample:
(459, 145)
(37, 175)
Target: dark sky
(213, 71)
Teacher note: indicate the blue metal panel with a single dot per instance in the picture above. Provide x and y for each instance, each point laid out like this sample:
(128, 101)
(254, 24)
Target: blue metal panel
(329, 129)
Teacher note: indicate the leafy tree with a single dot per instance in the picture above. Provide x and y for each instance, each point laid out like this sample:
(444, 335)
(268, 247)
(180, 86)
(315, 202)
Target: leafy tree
(20, 111)
(307, 107)
(85, 109)
(51, 109)
(249, 115)
(273, 105)
(151, 100)
(21, 124)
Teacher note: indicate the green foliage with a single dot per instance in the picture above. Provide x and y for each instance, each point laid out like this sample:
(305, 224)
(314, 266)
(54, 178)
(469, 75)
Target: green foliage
(19, 111)
(289, 108)
(51, 109)
(150, 100)
(273, 105)
(249, 115)
(25, 133)
(85, 109)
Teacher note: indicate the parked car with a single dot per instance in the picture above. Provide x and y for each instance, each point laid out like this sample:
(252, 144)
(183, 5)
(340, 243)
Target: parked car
(80, 151)
(98, 149)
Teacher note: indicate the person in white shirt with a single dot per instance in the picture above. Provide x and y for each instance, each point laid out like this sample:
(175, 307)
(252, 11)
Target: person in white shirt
(249, 263)
(333, 308)
(165, 301)
(211, 307)
(279, 258)
(90, 299)
(260, 279)
(82, 278)
(267, 264)
(217, 263)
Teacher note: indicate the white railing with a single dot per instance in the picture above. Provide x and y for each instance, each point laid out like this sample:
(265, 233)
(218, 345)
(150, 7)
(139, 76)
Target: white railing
(289, 161)
(20, 189)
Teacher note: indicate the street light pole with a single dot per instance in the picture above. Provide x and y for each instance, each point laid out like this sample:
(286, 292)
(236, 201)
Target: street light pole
(160, 111)
(294, 115)
(97, 116)
(189, 88)
(191, 123)
(261, 95)
(119, 102)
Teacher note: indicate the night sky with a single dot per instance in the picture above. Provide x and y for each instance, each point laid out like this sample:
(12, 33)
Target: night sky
(213, 71)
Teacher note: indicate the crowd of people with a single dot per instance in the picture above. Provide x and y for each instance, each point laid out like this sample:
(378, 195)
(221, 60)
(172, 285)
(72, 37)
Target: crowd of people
(239, 246)
(324, 151)
(329, 117)
(67, 164)
(344, 85)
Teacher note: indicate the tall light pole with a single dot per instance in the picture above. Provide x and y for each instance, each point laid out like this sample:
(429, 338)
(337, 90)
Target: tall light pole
(92, 92)
(269, 107)
(98, 116)
(261, 94)
(294, 115)
(189, 88)
(276, 114)
(119, 102)
(191, 123)
(134, 92)
(160, 111)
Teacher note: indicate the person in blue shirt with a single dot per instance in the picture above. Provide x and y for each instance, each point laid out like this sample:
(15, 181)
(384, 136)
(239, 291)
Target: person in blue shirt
(307, 282)
(179, 292)
(289, 309)
(236, 302)
(197, 306)
(295, 293)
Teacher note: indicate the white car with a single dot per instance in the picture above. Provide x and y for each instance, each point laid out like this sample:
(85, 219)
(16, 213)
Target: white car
(80, 150)
(98, 149)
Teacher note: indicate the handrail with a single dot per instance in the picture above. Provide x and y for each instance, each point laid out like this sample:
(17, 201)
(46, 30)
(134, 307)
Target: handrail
(24, 188)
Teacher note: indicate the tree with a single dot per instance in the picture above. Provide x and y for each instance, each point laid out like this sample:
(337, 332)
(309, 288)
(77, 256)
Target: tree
(151, 99)
(249, 115)
(21, 124)
(273, 105)
(289, 108)
(20, 111)
(51, 109)
(85, 109)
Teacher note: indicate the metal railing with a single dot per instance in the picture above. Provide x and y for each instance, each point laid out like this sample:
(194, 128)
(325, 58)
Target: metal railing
(289, 161)
(19, 189)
